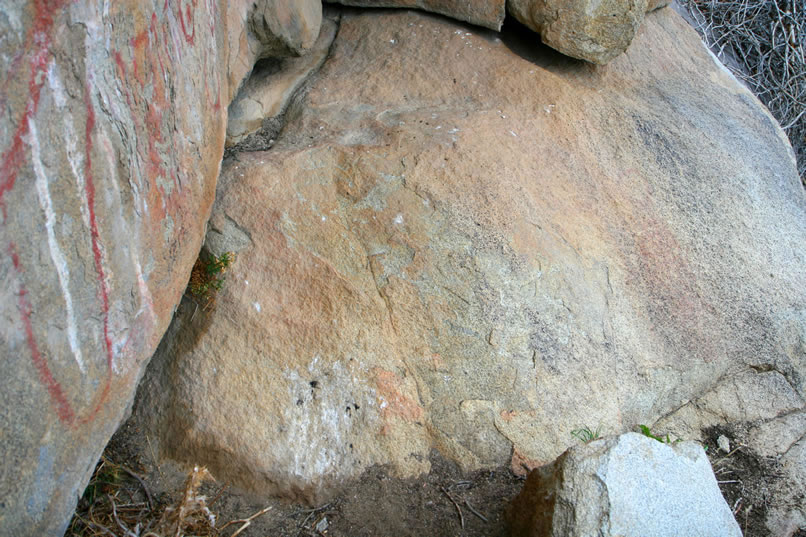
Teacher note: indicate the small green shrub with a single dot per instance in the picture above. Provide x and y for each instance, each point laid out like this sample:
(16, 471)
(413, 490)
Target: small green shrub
(207, 275)
(586, 434)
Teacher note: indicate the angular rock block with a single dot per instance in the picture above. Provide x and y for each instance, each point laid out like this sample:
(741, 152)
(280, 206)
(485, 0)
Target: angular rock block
(267, 29)
(593, 30)
(626, 486)
(264, 97)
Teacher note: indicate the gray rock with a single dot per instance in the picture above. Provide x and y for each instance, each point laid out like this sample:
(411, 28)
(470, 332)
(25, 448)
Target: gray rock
(258, 29)
(774, 437)
(792, 514)
(285, 27)
(627, 486)
(652, 5)
(111, 136)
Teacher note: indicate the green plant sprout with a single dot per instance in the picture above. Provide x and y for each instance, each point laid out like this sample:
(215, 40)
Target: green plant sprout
(586, 434)
(646, 431)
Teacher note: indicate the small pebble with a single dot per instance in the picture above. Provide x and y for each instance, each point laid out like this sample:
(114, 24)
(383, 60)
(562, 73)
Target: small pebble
(723, 443)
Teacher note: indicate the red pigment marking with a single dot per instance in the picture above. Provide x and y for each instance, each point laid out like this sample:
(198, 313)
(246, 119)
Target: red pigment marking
(12, 158)
(104, 396)
(39, 34)
(189, 37)
(57, 397)
(140, 39)
(138, 42)
(89, 188)
(121, 73)
(10, 163)
(217, 104)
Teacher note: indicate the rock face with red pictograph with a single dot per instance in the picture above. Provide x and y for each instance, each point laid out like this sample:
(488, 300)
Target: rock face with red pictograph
(462, 241)
(112, 127)
(481, 246)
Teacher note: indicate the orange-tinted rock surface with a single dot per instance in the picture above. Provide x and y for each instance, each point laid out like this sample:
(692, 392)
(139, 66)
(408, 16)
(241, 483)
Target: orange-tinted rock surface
(468, 244)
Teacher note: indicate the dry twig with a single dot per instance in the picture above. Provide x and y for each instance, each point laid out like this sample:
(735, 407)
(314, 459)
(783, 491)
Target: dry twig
(484, 518)
(458, 509)
(142, 484)
(245, 521)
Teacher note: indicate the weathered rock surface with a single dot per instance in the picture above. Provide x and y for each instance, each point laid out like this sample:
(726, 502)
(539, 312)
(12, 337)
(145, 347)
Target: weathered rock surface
(628, 486)
(786, 518)
(267, 29)
(265, 95)
(592, 30)
(486, 13)
(112, 125)
(478, 248)
(756, 405)
(652, 5)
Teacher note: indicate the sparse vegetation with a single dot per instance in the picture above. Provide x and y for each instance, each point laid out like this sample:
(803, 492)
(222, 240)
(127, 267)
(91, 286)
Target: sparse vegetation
(118, 503)
(207, 276)
(586, 434)
(646, 431)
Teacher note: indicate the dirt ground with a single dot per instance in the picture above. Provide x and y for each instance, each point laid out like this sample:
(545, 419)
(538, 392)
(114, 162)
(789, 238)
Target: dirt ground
(444, 503)
(749, 483)
(376, 505)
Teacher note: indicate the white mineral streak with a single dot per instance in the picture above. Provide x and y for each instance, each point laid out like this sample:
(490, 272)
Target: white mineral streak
(75, 158)
(318, 433)
(62, 269)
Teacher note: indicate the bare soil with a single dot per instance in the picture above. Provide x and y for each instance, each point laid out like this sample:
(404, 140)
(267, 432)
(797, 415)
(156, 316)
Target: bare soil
(446, 502)
(376, 505)
(748, 482)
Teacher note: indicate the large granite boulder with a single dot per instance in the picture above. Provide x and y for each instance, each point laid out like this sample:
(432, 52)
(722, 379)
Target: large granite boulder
(469, 245)
(112, 123)
(625, 486)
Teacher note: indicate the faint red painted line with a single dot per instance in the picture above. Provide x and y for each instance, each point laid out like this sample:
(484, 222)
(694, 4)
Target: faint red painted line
(57, 397)
(64, 409)
(38, 35)
(12, 158)
(89, 188)
(189, 36)
(104, 396)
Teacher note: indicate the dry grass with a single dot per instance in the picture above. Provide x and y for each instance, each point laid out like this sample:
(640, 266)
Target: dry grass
(766, 39)
(117, 503)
